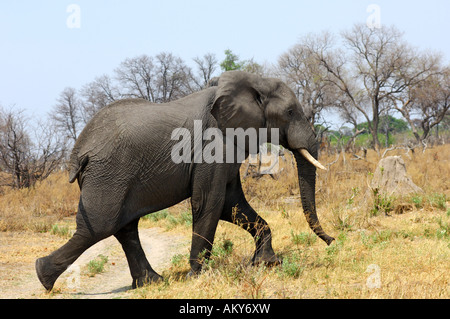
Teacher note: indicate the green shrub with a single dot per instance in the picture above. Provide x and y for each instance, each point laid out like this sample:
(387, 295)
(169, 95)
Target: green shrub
(157, 216)
(303, 238)
(62, 231)
(381, 203)
(171, 220)
(444, 229)
(438, 201)
(97, 265)
(417, 200)
(292, 265)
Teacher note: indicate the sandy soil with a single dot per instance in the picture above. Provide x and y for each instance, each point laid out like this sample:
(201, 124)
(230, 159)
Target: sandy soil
(18, 252)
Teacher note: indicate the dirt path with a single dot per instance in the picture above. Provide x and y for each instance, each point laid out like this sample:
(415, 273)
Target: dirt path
(20, 280)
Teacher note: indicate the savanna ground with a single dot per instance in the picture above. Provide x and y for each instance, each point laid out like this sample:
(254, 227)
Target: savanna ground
(386, 247)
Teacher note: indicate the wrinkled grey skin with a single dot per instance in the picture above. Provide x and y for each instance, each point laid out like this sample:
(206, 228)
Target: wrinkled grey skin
(122, 161)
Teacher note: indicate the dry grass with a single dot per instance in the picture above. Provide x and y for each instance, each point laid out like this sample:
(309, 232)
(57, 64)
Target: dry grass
(411, 267)
(375, 255)
(40, 207)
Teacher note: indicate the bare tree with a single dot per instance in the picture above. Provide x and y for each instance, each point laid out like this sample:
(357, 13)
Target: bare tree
(96, 95)
(27, 160)
(370, 74)
(48, 151)
(137, 76)
(173, 78)
(427, 103)
(206, 66)
(14, 145)
(160, 79)
(301, 69)
(252, 66)
(67, 113)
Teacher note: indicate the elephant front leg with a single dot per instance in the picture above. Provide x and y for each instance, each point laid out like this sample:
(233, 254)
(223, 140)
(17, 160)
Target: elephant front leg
(238, 211)
(203, 233)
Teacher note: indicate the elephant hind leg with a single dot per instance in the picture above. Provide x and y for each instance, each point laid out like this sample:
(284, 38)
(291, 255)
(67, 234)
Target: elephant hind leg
(141, 271)
(49, 268)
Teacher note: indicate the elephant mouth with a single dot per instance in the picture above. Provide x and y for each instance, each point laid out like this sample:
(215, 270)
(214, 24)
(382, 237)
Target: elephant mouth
(311, 159)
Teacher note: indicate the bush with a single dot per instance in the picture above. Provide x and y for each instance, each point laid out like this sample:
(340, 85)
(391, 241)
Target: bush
(381, 203)
(438, 201)
(62, 231)
(97, 265)
(303, 238)
(292, 265)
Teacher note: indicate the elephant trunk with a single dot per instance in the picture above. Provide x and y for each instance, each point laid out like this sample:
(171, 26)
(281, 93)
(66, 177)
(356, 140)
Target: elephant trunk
(307, 183)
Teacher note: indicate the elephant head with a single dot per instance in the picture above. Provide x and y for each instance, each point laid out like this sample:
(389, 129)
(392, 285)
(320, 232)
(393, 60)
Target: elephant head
(247, 100)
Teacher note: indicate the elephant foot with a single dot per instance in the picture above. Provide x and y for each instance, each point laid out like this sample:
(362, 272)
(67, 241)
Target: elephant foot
(192, 274)
(149, 278)
(266, 259)
(47, 273)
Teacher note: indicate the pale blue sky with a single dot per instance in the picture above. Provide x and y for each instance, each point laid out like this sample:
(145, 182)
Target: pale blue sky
(40, 55)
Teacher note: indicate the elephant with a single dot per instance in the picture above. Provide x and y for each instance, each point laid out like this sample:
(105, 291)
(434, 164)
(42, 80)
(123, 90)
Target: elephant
(123, 163)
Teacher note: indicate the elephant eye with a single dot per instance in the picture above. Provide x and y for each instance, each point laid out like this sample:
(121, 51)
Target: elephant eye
(290, 112)
(259, 99)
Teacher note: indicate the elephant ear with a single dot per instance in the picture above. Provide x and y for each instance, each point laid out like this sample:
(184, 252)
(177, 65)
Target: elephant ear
(240, 100)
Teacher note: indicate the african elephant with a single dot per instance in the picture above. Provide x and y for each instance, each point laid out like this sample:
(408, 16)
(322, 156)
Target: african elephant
(123, 162)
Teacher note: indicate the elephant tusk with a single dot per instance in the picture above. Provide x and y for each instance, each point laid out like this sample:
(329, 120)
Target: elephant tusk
(311, 159)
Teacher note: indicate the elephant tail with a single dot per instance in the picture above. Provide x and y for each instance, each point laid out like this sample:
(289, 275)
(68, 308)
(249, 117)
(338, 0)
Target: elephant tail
(76, 168)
